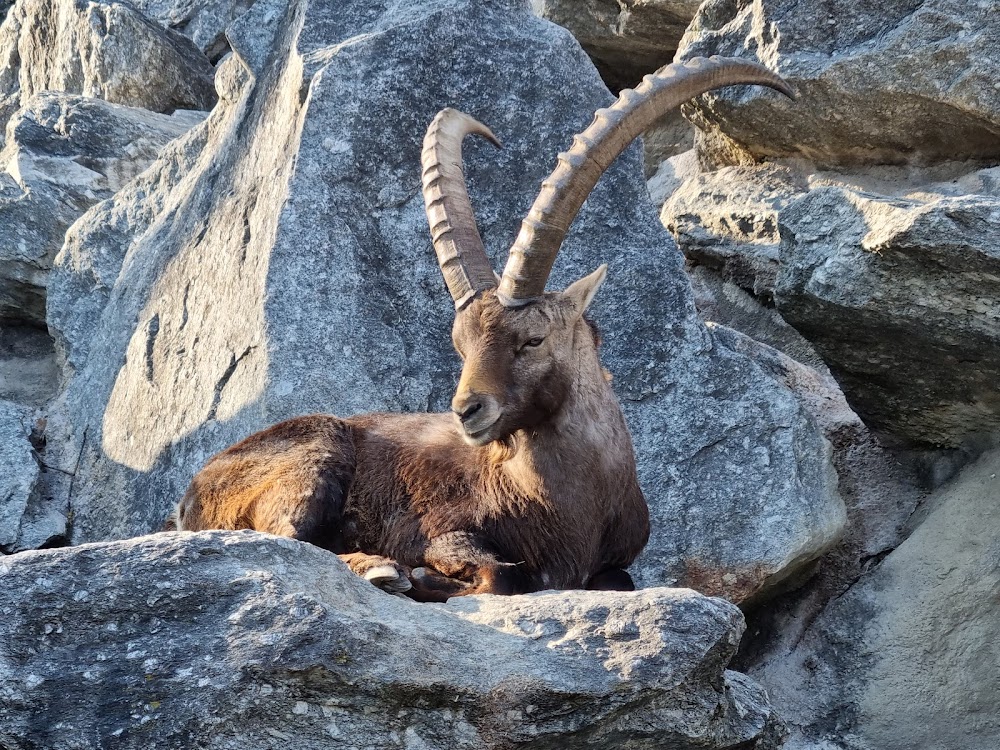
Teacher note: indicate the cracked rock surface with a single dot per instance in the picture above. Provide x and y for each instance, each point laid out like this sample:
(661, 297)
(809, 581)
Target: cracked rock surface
(235, 639)
(105, 50)
(908, 82)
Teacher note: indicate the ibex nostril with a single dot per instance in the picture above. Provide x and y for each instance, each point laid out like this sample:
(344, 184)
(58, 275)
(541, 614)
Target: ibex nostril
(468, 411)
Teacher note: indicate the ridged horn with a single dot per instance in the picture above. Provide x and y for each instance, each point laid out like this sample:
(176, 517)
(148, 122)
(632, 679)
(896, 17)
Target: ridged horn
(460, 252)
(613, 129)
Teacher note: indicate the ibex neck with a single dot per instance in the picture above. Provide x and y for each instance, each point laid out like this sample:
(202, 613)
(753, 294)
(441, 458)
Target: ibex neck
(587, 438)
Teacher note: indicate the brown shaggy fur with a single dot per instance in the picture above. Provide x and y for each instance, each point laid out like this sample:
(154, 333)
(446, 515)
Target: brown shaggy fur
(543, 495)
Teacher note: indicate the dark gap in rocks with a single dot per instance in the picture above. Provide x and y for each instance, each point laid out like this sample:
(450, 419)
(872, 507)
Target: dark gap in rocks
(218, 49)
(870, 562)
(55, 542)
(29, 372)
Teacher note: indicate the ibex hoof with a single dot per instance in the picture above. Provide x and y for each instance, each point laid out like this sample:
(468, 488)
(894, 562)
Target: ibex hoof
(389, 578)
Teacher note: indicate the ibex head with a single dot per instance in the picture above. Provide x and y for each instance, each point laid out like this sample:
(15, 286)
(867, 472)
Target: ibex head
(522, 347)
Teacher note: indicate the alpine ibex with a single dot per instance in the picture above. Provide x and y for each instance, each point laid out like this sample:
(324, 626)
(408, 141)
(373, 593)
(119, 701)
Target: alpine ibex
(531, 482)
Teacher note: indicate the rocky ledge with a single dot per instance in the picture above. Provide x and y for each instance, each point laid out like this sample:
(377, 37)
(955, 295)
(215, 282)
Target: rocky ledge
(238, 639)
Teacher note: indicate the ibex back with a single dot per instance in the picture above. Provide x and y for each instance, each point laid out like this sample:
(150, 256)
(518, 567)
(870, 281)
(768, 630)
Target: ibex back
(530, 483)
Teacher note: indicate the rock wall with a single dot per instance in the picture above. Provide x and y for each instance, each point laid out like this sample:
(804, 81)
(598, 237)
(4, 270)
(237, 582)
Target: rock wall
(897, 121)
(851, 230)
(906, 658)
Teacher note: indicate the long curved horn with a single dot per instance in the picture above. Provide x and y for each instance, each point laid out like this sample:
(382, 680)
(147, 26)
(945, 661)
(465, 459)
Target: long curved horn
(593, 150)
(460, 252)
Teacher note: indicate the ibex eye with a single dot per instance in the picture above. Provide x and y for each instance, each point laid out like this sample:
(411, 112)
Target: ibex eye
(537, 341)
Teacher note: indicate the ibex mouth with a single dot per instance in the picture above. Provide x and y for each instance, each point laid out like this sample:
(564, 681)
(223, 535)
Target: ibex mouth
(478, 434)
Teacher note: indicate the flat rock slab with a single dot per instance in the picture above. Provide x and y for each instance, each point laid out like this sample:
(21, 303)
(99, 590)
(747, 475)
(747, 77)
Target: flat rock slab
(237, 639)
(890, 82)
(276, 261)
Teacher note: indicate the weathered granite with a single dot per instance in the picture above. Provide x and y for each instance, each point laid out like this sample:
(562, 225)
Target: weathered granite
(895, 82)
(105, 50)
(18, 470)
(906, 657)
(63, 154)
(203, 21)
(900, 299)
(236, 639)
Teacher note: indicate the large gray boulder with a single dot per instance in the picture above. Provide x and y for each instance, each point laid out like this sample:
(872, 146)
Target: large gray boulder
(888, 272)
(63, 154)
(907, 657)
(892, 82)
(105, 50)
(236, 639)
(901, 300)
(276, 261)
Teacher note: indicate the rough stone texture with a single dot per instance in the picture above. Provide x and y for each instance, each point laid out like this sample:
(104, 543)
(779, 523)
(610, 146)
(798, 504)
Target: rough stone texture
(881, 487)
(202, 22)
(889, 272)
(727, 220)
(320, 291)
(104, 50)
(907, 657)
(723, 302)
(18, 470)
(229, 639)
(63, 154)
(910, 81)
(900, 299)
(29, 372)
(670, 174)
(626, 38)
(667, 137)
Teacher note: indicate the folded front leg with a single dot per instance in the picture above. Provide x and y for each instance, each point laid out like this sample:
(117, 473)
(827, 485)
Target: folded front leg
(467, 557)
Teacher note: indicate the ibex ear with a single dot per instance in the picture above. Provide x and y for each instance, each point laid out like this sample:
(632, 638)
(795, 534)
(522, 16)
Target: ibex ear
(581, 293)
